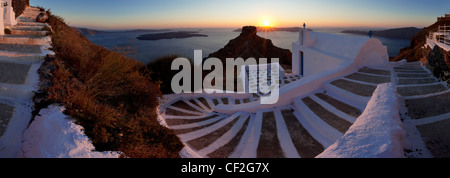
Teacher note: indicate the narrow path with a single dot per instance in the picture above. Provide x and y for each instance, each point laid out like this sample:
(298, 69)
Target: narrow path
(21, 53)
(427, 111)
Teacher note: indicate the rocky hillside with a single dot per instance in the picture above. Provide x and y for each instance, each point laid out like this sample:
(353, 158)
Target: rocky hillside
(436, 60)
(415, 52)
(438, 63)
(249, 44)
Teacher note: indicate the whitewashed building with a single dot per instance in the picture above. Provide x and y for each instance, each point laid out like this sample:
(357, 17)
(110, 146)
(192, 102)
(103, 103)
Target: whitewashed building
(8, 17)
(316, 52)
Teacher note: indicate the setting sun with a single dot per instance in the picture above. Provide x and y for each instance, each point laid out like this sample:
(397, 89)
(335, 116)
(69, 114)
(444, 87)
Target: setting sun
(266, 23)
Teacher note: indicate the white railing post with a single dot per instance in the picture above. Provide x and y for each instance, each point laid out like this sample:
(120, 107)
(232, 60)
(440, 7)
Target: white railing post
(10, 17)
(2, 25)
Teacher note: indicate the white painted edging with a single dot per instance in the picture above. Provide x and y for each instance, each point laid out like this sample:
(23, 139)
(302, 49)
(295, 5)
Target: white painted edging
(11, 141)
(377, 133)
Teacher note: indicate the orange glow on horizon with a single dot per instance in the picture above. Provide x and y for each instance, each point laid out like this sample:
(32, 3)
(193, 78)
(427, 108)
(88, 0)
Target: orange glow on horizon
(262, 22)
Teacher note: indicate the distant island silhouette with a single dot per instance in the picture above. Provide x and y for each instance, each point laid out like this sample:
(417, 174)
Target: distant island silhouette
(167, 33)
(92, 31)
(171, 35)
(401, 33)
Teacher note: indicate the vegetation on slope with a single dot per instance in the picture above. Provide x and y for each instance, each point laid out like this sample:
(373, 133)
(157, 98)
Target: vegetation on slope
(19, 6)
(110, 95)
(416, 50)
(161, 72)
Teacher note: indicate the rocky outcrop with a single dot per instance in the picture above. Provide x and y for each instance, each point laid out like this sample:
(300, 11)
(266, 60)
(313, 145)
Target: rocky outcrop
(248, 44)
(437, 65)
(42, 17)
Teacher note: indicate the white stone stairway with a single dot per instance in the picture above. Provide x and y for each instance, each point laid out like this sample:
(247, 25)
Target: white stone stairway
(27, 31)
(310, 124)
(302, 129)
(427, 111)
(21, 53)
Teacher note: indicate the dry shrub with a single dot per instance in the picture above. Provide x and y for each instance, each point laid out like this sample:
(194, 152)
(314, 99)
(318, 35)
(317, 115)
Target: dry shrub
(19, 6)
(162, 73)
(110, 95)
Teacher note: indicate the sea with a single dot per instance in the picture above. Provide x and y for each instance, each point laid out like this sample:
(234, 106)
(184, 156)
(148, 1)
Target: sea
(147, 51)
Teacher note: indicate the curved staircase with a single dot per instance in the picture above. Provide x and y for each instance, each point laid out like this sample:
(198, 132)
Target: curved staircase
(311, 123)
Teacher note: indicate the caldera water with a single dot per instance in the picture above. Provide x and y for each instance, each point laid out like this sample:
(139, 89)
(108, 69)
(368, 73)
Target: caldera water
(146, 51)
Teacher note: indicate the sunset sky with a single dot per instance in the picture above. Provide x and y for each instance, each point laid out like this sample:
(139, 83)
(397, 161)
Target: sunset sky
(121, 14)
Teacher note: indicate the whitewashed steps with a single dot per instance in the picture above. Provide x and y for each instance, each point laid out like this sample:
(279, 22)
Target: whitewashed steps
(421, 89)
(29, 32)
(13, 73)
(182, 107)
(306, 146)
(354, 87)
(429, 106)
(37, 24)
(208, 139)
(330, 118)
(20, 55)
(311, 123)
(375, 71)
(269, 144)
(339, 105)
(22, 59)
(6, 113)
(28, 28)
(417, 81)
(24, 39)
(436, 136)
(20, 48)
(363, 77)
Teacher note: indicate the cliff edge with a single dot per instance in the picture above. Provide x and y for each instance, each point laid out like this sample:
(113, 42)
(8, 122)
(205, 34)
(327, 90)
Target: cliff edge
(436, 59)
(416, 51)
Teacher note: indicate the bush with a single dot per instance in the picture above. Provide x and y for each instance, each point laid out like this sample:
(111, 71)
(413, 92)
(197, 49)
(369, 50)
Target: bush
(161, 73)
(48, 31)
(7, 31)
(19, 6)
(109, 94)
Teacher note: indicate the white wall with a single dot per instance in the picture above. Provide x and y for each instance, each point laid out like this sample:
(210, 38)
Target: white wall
(377, 133)
(296, 69)
(372, 54)
(324, 52)
(316, 62)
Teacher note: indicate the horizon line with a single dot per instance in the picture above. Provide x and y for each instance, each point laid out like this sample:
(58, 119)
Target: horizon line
(164, 28)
